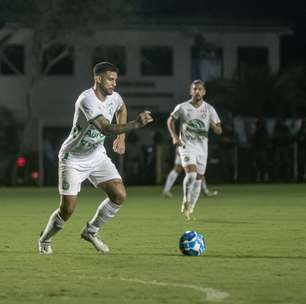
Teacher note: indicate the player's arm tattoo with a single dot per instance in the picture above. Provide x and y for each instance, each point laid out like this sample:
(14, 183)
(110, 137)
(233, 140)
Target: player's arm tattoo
(107, 128)
(103, 124)
(121, 117)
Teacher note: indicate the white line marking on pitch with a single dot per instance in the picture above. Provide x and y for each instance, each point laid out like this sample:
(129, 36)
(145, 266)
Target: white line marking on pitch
(212, 294)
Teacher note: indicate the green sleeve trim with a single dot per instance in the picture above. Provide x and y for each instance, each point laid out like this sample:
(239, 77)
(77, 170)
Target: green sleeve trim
(175, 118)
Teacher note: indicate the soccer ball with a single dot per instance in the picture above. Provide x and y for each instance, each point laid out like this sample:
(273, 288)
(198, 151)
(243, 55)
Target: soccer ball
(192, 243)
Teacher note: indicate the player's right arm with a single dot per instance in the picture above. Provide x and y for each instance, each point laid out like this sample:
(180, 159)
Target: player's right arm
(171, 127)
(102, 124)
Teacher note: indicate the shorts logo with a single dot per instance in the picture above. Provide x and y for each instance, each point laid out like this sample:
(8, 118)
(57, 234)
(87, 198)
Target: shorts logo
(65, 185)
(186, 158)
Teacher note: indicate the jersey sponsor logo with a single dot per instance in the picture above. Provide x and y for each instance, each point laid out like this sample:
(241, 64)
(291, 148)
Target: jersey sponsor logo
(92, 139)
(94, 133)
(195, 129)
(196, 124)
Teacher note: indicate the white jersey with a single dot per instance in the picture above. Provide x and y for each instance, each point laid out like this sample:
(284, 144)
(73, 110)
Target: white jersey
(84, 137)
(195, 123)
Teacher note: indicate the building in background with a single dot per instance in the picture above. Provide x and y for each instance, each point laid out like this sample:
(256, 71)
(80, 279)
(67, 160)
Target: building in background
(157, 63)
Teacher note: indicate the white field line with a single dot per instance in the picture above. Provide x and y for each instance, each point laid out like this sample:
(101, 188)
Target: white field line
(211, 294)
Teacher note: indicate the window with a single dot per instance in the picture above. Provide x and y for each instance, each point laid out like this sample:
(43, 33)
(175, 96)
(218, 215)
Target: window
(157, 61)
(207, 63)
(58, 60)
(250, 58)
(113, 54)
(14, 55)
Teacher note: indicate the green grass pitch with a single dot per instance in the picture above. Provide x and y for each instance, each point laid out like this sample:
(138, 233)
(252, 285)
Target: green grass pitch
(256, 249)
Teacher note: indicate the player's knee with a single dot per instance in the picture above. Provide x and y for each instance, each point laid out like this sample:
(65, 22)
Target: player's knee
(119, 196)
(66, 212)
(191, 176)
(178, 169)
(66, 209)
(200, 177)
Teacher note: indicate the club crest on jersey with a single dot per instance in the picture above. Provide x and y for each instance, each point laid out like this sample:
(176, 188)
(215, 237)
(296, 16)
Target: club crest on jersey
(204, 114)
(186, 158)
(111, 109)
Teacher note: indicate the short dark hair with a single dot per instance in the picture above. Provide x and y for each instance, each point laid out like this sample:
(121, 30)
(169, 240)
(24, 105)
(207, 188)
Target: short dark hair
(104, 66)
(199, 81)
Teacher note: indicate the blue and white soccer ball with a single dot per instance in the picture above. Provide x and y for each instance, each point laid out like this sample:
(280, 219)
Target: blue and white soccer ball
(192, 243)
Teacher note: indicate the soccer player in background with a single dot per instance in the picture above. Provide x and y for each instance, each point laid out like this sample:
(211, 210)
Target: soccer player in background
(196, 117)
(175, 172)
(83, 156)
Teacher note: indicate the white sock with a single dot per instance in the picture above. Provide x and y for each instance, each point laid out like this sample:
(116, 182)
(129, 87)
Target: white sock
(204, 186)
(195, 193)
(188, 182)
(54, 225)
(106, 210)
(171, 178)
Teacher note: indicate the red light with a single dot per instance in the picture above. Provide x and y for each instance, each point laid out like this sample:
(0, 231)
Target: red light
(21, 161)
(35, 175)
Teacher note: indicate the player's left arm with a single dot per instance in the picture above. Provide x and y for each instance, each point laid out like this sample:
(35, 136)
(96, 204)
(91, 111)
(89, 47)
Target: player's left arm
(121, 118)
(215, 122)
(216, 127)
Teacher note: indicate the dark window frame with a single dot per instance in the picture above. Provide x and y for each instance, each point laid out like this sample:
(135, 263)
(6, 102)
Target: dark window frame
(153, 66)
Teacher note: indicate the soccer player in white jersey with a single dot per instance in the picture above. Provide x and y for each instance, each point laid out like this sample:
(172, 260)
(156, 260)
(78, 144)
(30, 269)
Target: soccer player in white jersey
(83, 156)
(196, 118)
(175, 172)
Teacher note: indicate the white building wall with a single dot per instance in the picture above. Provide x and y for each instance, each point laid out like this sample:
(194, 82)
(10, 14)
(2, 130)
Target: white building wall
(54, 97)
